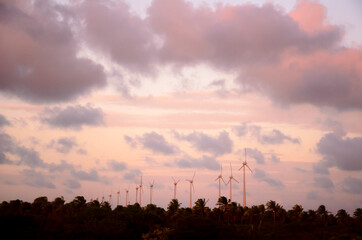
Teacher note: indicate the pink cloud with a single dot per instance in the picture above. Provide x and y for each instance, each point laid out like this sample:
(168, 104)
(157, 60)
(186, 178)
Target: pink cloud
(38, 55)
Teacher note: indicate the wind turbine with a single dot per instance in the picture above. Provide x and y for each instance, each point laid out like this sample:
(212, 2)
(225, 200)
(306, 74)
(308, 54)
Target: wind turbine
(136, 193)
(220, 178)
(127, 190)
(119, 191)
(230, 181)
(110, 199)
(174, 188)
(151, 190)
(244, 165)
(191, 186)
(141, 190)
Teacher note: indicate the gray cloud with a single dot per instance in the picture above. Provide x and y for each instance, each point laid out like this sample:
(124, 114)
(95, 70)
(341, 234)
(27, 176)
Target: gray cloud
(39, 54)
(4, 121)
(255, 154)
(63, 145)
(312, 195)
(273, 137)
(352, 185)
(323, 182)
(72, 184)
(205, 162)
(264, 177)
(117, 166)
(132, 174)
(152, 141)
(92, 175)
(73, 117)
(274, 158)
(82, 151)
(343, 153)
(276, 137)
(61, 167)
(217, 145)
(36, 179)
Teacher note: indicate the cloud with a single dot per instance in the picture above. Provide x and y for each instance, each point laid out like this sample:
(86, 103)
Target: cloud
(343, 153)
(274, 158)
(132, 174)
(63, 145)
(205, 162)
(73, 117)
(4, 121)
(39, 54)
(152, 141)
(36, 179)
(113, 30)
(264, 177)
(82, 151)
(92, 175)
(352, 185)
(273, 137)
(255, 154)
(217, 145)
(72, 184)
(276, 137)
(117, 166)
(61, 167)
(312, 195)
(323, 182)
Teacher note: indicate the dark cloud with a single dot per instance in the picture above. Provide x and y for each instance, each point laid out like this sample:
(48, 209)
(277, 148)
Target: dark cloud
(82, 151)
(72, 184)
(152, 141)
(312, 195)
(92, 175)
(63, 145)
(73, 117)
(264, 177)
(323, 182)
(36, 179)
(255, 154)
(39, 50)
(352, 185)
(274, 158)
(217, 145)
(273, 137)
(132, 174)
(61, 167)
(4, 121)
(276, 137)
(341, 152)
(112, 29)
(205, 162)
(117, 166)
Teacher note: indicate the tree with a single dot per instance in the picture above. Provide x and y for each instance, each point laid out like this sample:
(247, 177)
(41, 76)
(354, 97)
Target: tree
(173, 207)
(273, 207)
(322, 213)
(358, 214)
(200, 206)
(342, 216)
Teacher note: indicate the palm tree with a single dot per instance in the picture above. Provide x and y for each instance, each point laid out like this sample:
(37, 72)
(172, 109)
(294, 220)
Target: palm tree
(342, 216)
(322, 213)
(358, 214)
(297, 211)
(200, 206)
(272, 206)
(173, 207)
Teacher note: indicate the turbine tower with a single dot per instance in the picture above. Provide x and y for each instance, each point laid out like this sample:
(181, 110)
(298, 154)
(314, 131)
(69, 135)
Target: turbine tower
(151, 190)
(230, 181)
(119, 191)
(127, 190)
(141, 190)
(220, 178)
(244, 165)
(136, 193)
(174, 187)
(191, 186)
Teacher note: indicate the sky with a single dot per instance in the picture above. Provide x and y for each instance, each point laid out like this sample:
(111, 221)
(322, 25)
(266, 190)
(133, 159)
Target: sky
(95, 95)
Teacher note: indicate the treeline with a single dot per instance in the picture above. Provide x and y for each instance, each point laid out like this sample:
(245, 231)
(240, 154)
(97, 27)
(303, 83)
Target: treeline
(80, 219)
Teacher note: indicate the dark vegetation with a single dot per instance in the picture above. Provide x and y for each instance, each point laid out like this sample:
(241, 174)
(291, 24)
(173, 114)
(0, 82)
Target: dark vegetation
(79, 219)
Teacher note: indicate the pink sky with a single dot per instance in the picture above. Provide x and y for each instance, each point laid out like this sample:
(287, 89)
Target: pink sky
(95, 95)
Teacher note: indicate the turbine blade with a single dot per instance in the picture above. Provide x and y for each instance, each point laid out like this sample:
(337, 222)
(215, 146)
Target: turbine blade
(217, 178)
(223, 180)
(235, 180)
(194, 175)
(178, 181)
(249, 168)
(241, 167)
(173, 179)
(193, 188)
